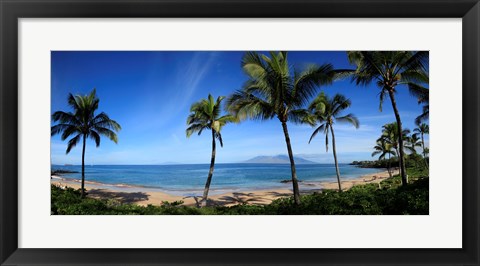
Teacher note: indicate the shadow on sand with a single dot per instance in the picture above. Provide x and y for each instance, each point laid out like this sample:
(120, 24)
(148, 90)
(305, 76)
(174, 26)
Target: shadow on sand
(122, 197)
(228, 200)
(241, 198)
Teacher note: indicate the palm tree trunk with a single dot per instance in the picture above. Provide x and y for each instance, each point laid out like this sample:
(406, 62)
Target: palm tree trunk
(296, 191)
(210, 173)
(388, 166)
(424, 155)
(403, 171)
(336, 161)
(83, 166)
(398, 163)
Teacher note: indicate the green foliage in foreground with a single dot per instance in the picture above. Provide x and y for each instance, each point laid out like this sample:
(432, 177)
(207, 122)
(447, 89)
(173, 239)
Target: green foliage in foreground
(388, 197)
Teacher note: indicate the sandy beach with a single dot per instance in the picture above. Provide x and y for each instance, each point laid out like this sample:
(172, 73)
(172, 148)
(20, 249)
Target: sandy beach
(144, 196)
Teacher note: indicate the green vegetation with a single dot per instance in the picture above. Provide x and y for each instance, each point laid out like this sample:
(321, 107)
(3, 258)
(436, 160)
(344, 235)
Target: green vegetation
(205, 114)
(83, 124)
(423, 129)
(382, 163)
(326, 111)
(389, 70)
(382, 149)
(390, 140)
(387, 197)
(276, 89)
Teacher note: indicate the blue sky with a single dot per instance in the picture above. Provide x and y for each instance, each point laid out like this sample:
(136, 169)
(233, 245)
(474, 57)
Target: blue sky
(150, 93)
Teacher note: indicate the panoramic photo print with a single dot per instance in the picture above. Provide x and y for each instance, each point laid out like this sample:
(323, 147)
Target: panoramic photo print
(239, 133)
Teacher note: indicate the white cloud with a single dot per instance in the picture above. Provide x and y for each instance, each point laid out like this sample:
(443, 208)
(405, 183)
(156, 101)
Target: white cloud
(189, 78)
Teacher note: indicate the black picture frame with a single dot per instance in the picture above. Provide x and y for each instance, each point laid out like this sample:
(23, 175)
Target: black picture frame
(12, 10)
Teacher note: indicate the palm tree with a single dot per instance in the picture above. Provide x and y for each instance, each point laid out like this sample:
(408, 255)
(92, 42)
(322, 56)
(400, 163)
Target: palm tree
(326, 111)
(391, 70)
(383, 148)
(423, 129)
(390, 135)
(82, 123)
(276, 89)
(412, 143)
(205, 115)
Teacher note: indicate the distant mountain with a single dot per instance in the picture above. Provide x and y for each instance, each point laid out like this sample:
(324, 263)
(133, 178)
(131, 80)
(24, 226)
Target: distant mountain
(280, 159)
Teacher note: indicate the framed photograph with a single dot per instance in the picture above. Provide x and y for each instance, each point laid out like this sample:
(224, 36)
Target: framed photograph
(226, 132)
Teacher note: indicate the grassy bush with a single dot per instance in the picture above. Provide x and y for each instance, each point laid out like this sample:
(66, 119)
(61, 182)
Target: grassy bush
(388, 197)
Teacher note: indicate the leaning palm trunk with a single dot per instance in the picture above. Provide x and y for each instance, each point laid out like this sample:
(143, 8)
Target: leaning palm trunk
(398, 159)
(336, 161)
(296, 192)
(401, 162)
(210, 173)
(83, 167)
(388, 167)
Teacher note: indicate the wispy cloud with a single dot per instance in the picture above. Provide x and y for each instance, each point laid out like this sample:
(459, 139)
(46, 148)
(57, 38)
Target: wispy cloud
(190, 76)
(375, 117)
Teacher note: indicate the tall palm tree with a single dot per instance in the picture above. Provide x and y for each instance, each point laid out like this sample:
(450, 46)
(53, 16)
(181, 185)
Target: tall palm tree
(391, 136)
(82, 123)
(205, 115)
(423, 129)
(382, 149)
(276, 89)
(326, 111)
(391, 70)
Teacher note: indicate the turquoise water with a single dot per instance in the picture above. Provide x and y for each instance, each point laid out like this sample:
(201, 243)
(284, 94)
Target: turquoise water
(190, 178)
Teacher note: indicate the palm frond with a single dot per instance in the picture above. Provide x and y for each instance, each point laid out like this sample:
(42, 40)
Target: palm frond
(424, 116)
(339, 103)
(95, 137)
(195, 128)
(59, 128)
(326, 137)
(103, 120)
(315, 132)
(219, 136)
(227, 119)
(68, 131)
(253, 65)
(110, 134)
(244, 105)
(301, 116)
(417, 61)
(306, 83)
(73, 142)
(419, 92)
(369, 67)
(350, 118)
(382, 95)
(340, 74)
(65, 118)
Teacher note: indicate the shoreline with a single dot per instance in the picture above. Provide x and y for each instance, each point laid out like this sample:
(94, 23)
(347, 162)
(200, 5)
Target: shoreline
(144, 196)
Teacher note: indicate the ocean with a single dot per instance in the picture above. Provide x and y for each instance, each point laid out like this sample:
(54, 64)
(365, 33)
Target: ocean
(189, 179)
